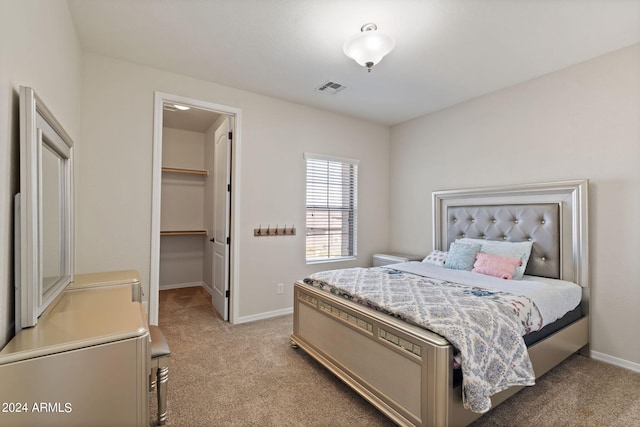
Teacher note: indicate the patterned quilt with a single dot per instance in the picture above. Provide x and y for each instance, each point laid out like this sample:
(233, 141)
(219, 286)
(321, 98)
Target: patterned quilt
(485, 326)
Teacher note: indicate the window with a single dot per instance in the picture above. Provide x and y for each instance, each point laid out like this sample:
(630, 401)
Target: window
(331, 208)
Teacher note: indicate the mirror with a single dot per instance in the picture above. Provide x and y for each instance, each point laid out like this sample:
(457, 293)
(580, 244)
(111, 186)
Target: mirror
(44, 210)
(52, 218)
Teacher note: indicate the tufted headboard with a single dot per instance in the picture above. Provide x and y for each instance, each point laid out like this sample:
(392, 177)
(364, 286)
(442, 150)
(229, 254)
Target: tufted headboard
(539, 223)
(551, 215)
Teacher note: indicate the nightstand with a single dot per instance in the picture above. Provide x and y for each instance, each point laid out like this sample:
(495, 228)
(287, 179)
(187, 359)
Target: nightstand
(387, 258)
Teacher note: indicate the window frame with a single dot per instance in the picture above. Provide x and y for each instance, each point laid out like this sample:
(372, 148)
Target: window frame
(350, 206)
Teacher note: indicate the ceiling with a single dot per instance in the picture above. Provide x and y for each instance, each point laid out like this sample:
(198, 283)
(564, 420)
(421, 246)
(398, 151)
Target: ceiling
(447, 51)
(194, 119)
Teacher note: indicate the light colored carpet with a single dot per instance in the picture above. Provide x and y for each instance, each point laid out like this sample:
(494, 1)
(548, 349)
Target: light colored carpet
(248, 375)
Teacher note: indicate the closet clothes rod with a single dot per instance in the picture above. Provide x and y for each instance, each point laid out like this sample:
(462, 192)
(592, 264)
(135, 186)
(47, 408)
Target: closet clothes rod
(183, 233)
(187, 171)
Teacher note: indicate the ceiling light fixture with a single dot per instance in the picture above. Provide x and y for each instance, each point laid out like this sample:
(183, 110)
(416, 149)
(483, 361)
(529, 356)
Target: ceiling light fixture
(369, 47)
(181, 107)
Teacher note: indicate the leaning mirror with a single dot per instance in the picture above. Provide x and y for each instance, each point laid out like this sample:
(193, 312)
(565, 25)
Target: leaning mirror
(44, 210)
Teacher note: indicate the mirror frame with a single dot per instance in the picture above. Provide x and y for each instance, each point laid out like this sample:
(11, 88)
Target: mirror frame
(40, 130)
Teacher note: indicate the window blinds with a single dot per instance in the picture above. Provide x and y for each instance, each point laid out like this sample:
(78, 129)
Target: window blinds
(331, 205)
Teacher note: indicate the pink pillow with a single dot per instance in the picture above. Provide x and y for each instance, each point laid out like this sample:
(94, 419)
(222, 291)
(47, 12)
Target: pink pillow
(494, 265)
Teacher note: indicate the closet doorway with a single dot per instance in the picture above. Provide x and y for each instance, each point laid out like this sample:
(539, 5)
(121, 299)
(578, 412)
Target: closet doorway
(195, 171)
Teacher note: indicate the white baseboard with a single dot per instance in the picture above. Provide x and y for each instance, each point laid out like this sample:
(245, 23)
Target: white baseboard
(632, 366)
(261, 316)
(182, 285)
(206, 288)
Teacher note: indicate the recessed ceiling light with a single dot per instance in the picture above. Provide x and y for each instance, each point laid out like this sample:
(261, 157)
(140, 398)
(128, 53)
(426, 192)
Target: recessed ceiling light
(181, 107)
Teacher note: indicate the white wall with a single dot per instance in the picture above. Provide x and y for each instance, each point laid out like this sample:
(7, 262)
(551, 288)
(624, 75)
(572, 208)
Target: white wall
(114, 189)
(38, 48)
(183, 194)
(183, 148)
(580, 122)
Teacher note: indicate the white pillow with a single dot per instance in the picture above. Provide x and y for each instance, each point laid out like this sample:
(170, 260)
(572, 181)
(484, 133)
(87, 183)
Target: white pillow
(436, 258)
(520, 250)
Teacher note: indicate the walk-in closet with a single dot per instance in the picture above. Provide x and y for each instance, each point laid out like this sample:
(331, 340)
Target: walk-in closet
(193, 183)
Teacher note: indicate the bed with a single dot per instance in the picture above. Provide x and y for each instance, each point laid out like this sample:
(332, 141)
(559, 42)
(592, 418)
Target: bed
(409, 372)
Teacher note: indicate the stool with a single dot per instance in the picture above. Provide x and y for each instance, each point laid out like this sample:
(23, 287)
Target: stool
(159, 375)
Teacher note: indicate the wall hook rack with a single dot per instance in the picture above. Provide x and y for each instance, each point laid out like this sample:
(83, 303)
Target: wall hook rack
(277, 231)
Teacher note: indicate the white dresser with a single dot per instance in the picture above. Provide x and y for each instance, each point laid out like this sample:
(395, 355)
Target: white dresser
(85, 363)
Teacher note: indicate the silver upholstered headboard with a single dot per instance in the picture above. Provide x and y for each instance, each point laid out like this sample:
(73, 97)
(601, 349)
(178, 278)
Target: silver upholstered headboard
(538, 223)
(551, 215)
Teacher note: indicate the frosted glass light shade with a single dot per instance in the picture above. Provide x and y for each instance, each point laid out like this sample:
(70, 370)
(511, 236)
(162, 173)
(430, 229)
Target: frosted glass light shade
(369, 47)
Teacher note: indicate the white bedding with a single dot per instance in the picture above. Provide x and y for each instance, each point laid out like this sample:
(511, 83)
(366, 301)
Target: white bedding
(554, 298)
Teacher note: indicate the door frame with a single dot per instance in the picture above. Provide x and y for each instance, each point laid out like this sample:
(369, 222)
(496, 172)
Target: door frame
(159, 98)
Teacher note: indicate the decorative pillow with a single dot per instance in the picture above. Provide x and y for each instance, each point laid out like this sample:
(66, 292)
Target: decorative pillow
(494, 265)
(520, 250)
(436, 258)
(462, 256)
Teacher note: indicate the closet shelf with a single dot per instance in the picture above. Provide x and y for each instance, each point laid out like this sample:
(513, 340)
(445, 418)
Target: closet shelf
(185, 171)
(183, 233)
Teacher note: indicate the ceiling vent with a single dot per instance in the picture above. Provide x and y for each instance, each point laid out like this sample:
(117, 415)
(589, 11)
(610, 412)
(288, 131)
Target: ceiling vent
(331, 87)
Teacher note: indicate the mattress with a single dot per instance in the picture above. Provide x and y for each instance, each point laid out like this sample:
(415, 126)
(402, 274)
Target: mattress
(553, 298)
(558, 300)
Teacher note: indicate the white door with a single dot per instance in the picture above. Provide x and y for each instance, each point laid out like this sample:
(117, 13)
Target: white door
(221, 215)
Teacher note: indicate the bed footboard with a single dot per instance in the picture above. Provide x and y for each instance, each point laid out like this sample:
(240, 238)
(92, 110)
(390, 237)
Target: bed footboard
(403, 370)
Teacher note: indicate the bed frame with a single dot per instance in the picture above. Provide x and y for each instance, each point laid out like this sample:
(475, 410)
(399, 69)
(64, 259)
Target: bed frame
(407, 372)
